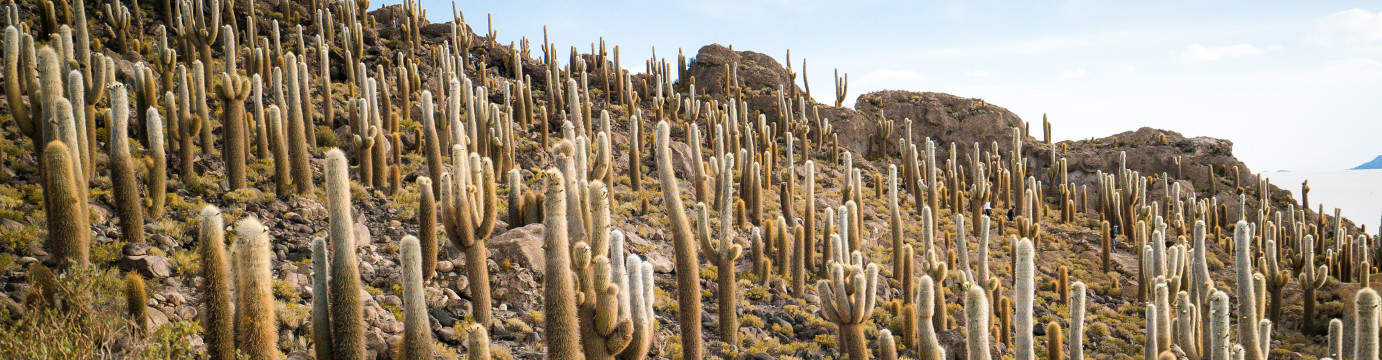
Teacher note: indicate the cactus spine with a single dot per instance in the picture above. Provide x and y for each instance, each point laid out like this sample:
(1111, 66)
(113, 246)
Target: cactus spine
(687, 266)
(257, 330)
(347, 313)
(417, 336)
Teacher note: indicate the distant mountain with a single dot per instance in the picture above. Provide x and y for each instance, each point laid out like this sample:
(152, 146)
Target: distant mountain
(1376, 163)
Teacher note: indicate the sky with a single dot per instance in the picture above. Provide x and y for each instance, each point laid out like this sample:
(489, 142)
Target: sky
(1294, 84)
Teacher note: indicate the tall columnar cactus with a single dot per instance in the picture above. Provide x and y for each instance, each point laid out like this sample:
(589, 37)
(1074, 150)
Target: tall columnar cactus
(559, 311)
(257, 330)
(295, 128)
(1247, 298)
(639, 301)
(216, 299)
(417, 336)
(605, 331)
(636, 153)
(158, 163)
(189, 125)
(1077, 309)
(687, 265)
(848, 298)
(1150, 349)
(347, 309)
(723, 256)
(431, 145)
(129, 205)
(427, 226)
(976, 324)
(1219, 326)
(1335, 346)
(1054, 351)
(200, 24)
(928, 346)
(321, 299)
(233, 89)
(1025, 289)
(1366, 319)
(887, 346)
(282, 174)
(469, 211)
(809, 217)
(1276, 279)
(68, 229)
(1311, 279)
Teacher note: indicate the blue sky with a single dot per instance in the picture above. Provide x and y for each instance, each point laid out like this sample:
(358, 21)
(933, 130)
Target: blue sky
(1296, 85)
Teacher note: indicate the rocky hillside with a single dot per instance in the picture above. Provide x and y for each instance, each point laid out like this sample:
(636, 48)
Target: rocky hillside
(471, 199)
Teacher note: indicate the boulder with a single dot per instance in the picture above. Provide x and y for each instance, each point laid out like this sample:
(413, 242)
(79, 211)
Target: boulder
(149, 266)
(522, 247)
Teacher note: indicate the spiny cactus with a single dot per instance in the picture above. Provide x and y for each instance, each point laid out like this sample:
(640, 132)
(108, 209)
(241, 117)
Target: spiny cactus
(1077, 309)
(723, 256)
(1365, 336)
(977, 324)
(417, 334)
(1335, 346)
(189, 126)
(1247, 298)
(347, 319)
(887, 346)
(848, 298)
(200, 23)
(135, 300)
(1025, 289)
(295, 127)
(559, 312)
(427, 226)
(1054, 351)
(321, 299)
(256, 329)
(158, 163)
(639, 301)
(1311, 279)
(68, 229)
(233, 89)
(477, 342)
(128, 204)
(928, 346)
(1150, 348)
(687, 265)
(469, 211)
(216, 299)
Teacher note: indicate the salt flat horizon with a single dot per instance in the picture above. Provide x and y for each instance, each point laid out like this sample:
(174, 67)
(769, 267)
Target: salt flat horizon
(1354, 192)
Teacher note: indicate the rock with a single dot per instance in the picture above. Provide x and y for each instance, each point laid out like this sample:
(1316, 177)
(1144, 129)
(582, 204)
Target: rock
(759, 74)
(443, 317)
(362, 235)
(521, 246)
(448, 335)
(444, 266)
(942, 117)
(150, 266)
(135, 249)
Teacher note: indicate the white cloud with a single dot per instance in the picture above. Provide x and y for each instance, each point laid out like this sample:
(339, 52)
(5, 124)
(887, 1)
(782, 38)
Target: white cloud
(1073, 74)
(1197, 52)
(978, 73)
(1349, 27)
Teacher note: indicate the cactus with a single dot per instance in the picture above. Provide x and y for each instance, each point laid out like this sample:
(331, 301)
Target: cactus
(216, 299)
(469, 212)
(1311, 279)
(927, 344)
(477, 342)
(158, 164)
(1365, 336)
(68, 229)
(848, 299)
(1025, 289)
(1275, 278)
(687, 265)
(1150, 349)
(809, 216)
(1219, 326)
(200, 24)
(321, 299)
(841, 88)
(1054, 351)
(189, 126)
(431, 143)
(1077, 309)
(346, 307)
(295, 128)
(1335, 345)
(887, 346)
(128, 204)
(1063, 284)
(1247, 298)
(427, 227)
(977, 324)
(135, 298)
(559, 312)
(256, 329)
(639, 301)
(636, 153)
(723, 256)
(233, 90)
(417, 336)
